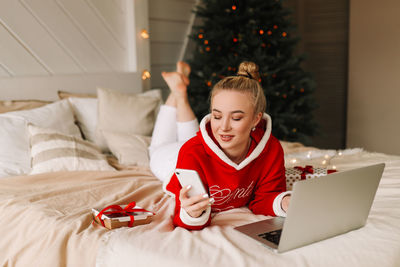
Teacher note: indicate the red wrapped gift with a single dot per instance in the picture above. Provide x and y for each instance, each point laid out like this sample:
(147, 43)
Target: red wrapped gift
(115, 216)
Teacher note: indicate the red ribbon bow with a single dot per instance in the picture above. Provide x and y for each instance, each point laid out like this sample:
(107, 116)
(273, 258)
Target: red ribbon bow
(124, 211)
(308, 169)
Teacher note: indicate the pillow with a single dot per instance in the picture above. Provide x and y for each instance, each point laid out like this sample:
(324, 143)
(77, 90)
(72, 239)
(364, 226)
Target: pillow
(129, 149)
(14, 147)
(126, 113)
(14, 139)
(15, 105)
(85, 111)
(54, 151)
(64, 95)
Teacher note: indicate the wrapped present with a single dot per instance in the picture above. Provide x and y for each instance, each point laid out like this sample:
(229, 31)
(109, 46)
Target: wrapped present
(298, 173)
(116, 216)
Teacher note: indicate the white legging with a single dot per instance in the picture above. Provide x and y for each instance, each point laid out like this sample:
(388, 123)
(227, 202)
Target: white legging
(168, 137)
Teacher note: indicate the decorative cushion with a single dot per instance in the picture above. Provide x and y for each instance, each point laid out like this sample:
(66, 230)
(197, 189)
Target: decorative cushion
(64, 95)
(54, 151)
(129, 149)
(16, 105)
(14, 139)
(85, 111)
(126, 113)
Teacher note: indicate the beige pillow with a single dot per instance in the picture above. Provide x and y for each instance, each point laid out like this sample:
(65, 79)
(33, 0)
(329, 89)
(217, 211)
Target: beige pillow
(129, 149)
(53, 151)
(16, 105)
(64, 94)
(126, 113)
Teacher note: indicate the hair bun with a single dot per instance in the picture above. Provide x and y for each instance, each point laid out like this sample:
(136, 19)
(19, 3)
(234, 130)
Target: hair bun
(249, 68)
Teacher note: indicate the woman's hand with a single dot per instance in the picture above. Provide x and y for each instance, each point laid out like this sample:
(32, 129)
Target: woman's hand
(195, 205)
(285, 202)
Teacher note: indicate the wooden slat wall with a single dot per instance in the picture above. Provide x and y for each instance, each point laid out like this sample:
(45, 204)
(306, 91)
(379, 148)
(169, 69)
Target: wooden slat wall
(169, 21)
(76, 45)
(323, 27)
(55, 37)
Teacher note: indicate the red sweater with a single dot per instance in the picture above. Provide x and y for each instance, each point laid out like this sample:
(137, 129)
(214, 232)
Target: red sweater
(255, 182)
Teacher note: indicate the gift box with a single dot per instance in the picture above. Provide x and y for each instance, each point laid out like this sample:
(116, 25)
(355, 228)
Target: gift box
(116, 216)
(298, 173)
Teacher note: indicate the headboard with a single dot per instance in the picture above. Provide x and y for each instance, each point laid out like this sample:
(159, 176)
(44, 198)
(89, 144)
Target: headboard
(46, 87)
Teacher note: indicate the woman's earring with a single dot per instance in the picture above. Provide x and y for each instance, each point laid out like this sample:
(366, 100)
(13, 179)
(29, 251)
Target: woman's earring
(253, 129)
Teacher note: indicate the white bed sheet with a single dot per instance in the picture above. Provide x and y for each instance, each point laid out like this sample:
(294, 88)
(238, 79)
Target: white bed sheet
(159, 244)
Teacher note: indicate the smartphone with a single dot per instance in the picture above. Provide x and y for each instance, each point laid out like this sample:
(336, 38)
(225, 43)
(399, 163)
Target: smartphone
(191, 177)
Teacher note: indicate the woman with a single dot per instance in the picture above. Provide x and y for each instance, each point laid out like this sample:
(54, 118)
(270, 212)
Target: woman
(237, 158)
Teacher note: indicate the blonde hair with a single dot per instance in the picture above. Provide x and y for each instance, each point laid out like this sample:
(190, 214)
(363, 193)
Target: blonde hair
(245, 81)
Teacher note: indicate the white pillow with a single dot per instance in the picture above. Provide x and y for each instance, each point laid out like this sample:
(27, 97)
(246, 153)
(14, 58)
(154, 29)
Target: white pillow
(126, 113)
(54, 151)
(14, 147)
(129, 149)
(57, 115)
(85, 110)
(14, 139)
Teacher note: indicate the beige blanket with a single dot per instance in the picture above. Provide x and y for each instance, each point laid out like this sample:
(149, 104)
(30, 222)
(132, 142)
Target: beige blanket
(159, 244)
(45, 219)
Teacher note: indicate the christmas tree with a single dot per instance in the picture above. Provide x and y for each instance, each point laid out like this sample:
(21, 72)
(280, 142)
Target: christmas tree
(232, 31)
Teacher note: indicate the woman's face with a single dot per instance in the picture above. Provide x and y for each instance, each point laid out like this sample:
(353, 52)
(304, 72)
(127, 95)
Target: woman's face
(232, 118)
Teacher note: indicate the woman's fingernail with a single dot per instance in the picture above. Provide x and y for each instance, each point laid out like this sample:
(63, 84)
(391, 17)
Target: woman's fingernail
(212, 200)
(188, 187)
(205, 195)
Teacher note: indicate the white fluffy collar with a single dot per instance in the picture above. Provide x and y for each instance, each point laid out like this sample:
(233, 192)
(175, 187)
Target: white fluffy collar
(214, 147)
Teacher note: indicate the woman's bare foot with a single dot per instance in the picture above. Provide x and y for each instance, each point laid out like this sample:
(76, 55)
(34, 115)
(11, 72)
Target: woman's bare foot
(175, 83)
(183, 68)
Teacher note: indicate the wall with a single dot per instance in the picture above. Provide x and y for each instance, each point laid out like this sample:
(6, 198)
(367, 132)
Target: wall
(374, 80)
(323, 29)
(71, 43)
(170, 23)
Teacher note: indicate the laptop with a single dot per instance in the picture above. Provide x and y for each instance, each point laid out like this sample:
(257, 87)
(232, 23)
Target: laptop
(319, 209)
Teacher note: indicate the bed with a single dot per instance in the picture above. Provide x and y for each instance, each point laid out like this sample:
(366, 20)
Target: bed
(46, 201)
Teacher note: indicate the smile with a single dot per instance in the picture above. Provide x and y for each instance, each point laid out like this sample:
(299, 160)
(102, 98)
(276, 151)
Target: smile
(226, 138)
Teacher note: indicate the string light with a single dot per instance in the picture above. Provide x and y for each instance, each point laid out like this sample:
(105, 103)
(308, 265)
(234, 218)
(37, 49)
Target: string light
(269, 32)
(145, 34)
(234, 7)
(261, 32)
(284, 34)
(200, 36)
(146, 75)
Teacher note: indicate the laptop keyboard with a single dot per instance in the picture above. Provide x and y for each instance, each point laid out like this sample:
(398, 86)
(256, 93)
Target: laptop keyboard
(273, 236)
